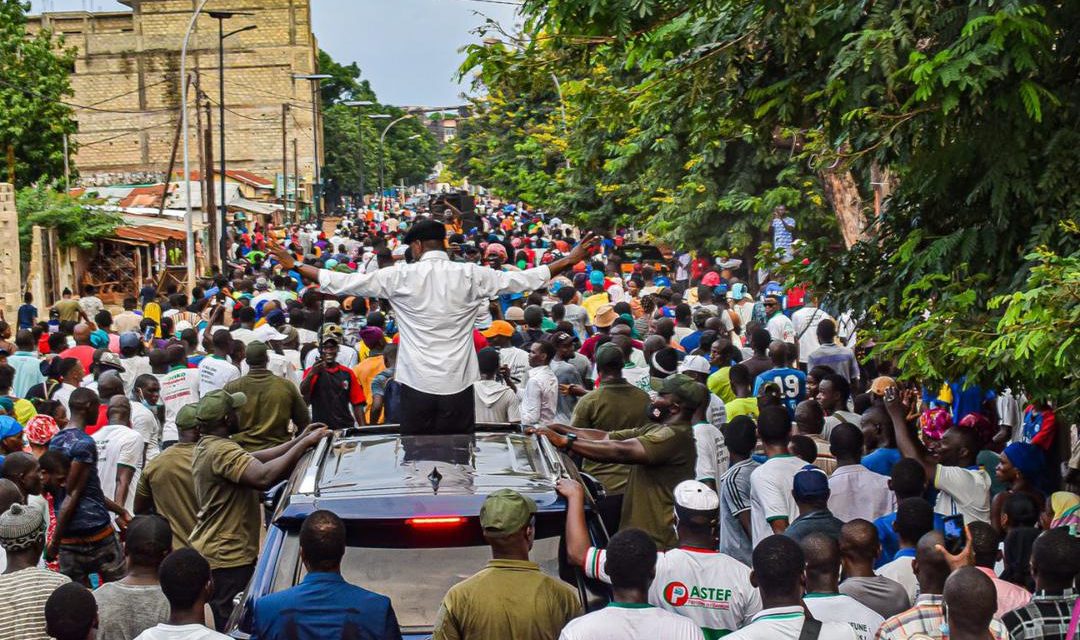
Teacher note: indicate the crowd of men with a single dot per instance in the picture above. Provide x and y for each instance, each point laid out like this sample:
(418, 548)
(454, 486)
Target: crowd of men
(763, 478)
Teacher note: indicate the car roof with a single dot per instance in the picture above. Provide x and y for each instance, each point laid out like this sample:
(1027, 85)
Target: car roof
(375, 472)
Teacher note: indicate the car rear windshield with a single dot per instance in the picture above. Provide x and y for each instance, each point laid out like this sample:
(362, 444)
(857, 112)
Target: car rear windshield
(416, 563)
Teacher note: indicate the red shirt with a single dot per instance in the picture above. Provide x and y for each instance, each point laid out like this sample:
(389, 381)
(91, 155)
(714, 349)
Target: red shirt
(84, 353)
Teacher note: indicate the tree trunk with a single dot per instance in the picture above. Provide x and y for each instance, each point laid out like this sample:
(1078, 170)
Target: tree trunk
(843, 196)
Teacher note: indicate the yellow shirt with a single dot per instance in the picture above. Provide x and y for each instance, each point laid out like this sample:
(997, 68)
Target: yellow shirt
(741, 407)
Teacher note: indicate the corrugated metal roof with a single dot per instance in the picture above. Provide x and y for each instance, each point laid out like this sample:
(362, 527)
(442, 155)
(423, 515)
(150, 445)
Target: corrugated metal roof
(148, 234)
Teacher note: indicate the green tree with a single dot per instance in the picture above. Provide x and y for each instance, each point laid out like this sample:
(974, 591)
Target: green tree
(77, 221)
(33, 83)
(352, 139)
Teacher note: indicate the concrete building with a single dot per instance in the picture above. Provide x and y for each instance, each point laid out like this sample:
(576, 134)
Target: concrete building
(127, 82)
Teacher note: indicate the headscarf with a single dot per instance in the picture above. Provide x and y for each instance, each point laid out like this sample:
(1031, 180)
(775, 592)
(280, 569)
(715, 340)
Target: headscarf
(152, 310)
(7, 404)
(1066, 508)
(984, 429)
(40, 429)
(1026, 457)
(372, 336)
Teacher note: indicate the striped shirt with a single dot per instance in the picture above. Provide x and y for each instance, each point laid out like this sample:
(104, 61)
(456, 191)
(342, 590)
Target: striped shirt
(22, 609)
(1046, 616)
(927, 617)
(734, 491)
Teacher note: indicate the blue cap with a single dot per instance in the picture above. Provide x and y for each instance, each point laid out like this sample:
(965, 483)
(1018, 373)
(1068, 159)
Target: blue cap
(9, 427)
(661, 281)
(810, 483)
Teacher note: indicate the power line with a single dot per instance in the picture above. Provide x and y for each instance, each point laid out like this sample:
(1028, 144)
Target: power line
(73, 105)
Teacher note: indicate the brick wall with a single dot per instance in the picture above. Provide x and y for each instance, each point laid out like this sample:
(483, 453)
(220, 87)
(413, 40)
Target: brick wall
(10, 279)
(128, 69)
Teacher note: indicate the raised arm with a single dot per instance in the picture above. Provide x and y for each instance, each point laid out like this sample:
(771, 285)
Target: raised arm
(629, 451)
(909, 445)
(366, 285)
(577, 533)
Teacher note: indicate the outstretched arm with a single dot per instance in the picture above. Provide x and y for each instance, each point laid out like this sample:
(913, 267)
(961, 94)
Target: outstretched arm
(909, 445)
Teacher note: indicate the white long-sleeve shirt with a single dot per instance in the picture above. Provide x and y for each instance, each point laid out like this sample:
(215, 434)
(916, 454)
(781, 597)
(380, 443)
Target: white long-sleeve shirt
(435, 301)
(539, 397)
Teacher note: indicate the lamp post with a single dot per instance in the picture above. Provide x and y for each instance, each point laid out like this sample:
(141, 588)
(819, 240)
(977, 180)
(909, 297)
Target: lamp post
(188, 223)
(317, 187)
(382, 141)
(360, 124)
(221, 17)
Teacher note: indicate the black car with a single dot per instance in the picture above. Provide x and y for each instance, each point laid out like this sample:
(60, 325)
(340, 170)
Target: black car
(411, 508)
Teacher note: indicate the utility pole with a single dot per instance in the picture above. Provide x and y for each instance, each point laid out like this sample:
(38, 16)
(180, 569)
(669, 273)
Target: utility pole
(172, 165)
(208, 205)
(285, 160)
(296, 182)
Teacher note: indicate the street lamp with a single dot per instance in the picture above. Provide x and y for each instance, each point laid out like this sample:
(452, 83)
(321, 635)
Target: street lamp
(360, 124)
(221, 17)
(382, 141)
(315, 78)
(188, 224)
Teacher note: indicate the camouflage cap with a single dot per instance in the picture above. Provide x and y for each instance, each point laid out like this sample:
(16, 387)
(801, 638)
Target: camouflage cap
(186, 419)
(505, 512)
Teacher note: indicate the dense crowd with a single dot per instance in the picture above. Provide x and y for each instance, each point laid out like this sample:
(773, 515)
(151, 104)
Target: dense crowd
(762, 476)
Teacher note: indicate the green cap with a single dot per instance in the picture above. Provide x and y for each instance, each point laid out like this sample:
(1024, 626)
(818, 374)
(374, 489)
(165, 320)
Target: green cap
(609, 355)
(505, 512)
(256, 353)
(687, 391)
(217, 404)
(186, 419)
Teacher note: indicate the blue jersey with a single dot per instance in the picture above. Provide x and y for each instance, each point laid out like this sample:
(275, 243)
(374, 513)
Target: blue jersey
(792, 383)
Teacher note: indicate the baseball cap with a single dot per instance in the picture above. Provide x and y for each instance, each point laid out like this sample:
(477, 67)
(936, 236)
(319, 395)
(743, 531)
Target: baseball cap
(256, 353)
(608, 355)
(810, 483)
(687, 390)
(710, 279)
(505, 512)
(696, 496)
(561, 337)
(331, 332)
(9, 427)
(130, 340)
(111, 361)
(696, 364)
(515, 314)
(276, 318)
(499, 328)
(215, 405)
(186, 417)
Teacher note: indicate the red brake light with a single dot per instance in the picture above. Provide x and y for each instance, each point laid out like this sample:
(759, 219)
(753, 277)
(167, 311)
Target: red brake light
(436, 521)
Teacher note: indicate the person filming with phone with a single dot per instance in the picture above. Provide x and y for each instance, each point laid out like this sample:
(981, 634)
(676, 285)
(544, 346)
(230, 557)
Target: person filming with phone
(332, 390)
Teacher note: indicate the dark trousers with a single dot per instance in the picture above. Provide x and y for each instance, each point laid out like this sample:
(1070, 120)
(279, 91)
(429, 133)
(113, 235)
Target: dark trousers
(431, 414)
(227, 583)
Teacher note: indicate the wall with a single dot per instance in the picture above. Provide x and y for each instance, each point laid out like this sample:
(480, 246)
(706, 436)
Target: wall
(128, 71)
(10, 279)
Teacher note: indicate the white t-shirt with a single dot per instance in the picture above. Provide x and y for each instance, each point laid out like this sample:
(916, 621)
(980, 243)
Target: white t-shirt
(119, 445)
(780, 328)
(243, 335)
(837, 607)
(900, 570)
(785, 623)
(145, 423)
(625, 621)
(712, 455)
(179, 388)
(134, 367)
(214, 374)
(770, 494)
(965, 491)
(518, 362)
(711, 588)
(857, 492)
(806, 321)
(180, 632)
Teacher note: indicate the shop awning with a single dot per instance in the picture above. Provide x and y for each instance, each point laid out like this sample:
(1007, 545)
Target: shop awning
(147, 235)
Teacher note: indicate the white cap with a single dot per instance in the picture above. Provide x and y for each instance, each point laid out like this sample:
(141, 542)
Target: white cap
(266, 333)
(696, 496)
(696, 364)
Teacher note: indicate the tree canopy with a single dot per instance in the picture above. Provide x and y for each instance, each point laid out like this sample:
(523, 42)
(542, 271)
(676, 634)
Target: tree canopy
(33, 85)
(923, 147)
(352, 138)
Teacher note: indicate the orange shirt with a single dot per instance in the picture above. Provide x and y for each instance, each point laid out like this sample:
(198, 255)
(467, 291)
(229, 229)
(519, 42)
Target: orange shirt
(365, 371)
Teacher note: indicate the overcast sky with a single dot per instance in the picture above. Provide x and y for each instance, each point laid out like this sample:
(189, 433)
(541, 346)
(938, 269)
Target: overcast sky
(408, 49)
